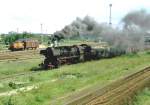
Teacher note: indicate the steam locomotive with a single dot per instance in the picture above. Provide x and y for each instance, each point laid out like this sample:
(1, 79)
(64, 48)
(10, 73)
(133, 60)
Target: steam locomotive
(56, 56)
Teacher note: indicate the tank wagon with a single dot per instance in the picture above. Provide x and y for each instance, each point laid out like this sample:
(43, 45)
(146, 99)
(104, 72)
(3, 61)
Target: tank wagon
(56, 56)
(23, 44)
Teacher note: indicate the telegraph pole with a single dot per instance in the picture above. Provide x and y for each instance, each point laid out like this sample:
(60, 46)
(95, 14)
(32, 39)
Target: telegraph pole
(41, 33)
(110, 6)
(17, 30)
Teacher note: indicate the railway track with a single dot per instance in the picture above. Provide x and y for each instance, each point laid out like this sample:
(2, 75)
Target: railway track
(117, 93)
(18, 52)
(7, 55)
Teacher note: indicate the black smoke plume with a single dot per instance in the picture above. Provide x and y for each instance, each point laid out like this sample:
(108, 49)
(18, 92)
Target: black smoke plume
(131, 36)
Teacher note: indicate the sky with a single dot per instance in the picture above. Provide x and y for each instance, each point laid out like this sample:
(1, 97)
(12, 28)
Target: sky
(28, 15)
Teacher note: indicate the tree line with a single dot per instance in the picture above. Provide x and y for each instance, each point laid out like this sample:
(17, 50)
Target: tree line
(13, 36)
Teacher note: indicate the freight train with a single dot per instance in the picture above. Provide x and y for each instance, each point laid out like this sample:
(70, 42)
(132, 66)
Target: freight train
(56, 56)
(23, 44)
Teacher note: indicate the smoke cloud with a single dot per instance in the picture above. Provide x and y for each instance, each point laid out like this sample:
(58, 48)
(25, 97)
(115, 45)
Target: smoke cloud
(135, 25)
(137, 19)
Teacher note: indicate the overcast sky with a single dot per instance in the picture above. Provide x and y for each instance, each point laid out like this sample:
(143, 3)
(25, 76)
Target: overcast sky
(27, 15)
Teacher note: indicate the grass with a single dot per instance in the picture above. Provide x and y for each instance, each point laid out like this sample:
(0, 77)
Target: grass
(3, 47)
(67, 79)
(13, 67)
(143, 98)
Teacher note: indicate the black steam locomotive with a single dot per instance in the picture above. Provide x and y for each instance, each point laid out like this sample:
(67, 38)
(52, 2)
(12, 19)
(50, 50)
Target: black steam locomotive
(56, 56)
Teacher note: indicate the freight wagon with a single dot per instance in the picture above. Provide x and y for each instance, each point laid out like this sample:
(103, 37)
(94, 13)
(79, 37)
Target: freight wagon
(23, 44)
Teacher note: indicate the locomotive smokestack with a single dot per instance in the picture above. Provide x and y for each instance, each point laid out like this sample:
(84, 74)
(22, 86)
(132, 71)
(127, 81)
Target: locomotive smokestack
(41, 33)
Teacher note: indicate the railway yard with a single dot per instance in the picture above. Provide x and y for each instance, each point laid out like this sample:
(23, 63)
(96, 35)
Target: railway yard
(102, 82)
(92, 52)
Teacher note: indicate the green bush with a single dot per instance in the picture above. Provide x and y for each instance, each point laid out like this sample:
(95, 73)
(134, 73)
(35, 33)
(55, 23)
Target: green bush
(148, 52)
